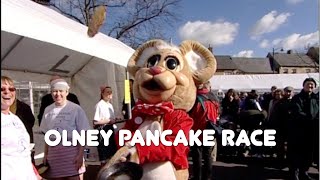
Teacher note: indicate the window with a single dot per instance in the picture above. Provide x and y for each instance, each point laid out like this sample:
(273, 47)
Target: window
(285, 71)
(294, 71)
(227, 72)
(308, 70)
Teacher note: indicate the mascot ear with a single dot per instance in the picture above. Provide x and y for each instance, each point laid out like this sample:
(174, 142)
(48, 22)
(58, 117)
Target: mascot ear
(201, 61)
(139, 57)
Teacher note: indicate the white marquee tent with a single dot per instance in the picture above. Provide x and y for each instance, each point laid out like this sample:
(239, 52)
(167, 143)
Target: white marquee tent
(260, 82)
(37, 42)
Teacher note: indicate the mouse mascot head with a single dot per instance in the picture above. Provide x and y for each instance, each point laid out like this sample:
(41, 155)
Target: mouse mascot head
(165, 83)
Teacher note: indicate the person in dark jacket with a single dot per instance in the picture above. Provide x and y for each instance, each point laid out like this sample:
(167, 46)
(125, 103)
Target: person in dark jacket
(252, 114)
(251, 118)
(24, 112)
(316, 140)
(204, 112)
(230, 106)
(304, 127)
(47, 99)
(267, 97)
(281, 116)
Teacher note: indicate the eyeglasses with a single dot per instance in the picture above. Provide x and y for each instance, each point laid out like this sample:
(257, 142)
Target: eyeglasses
(11, 89)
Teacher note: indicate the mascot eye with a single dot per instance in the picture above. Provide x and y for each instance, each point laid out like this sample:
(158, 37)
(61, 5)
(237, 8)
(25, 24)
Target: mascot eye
(153, 60)
(172, 63)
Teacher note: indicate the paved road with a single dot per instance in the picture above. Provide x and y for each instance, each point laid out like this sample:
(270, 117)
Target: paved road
(252, 169)
(235, 169)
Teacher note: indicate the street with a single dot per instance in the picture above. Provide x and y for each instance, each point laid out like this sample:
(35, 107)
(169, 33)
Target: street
(234, 169)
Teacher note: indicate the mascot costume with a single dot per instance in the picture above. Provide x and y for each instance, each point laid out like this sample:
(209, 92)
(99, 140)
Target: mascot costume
(165, 87)
(165, 83)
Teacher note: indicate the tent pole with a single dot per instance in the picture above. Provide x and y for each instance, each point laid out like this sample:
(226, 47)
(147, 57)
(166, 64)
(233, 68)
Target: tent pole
(31, 96)
(128, 94)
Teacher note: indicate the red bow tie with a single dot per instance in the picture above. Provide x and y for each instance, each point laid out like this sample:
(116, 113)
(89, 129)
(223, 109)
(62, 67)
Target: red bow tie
(153, 109)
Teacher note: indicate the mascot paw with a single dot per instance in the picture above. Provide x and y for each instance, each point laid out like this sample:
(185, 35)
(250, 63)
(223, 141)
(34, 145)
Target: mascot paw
(125, 153)
(123, 170)
(182, 174)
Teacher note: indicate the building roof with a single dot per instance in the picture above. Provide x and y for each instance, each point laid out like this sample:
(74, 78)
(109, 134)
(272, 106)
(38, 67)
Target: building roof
(225, 62)
(253, 65)
(294, 60)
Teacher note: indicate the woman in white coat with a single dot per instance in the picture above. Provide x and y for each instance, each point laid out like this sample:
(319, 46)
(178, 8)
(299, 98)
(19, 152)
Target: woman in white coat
(15, 140)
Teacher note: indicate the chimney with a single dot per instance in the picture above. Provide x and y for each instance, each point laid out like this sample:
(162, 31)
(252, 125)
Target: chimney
(289, 51)
(313, 53)
(210, 48)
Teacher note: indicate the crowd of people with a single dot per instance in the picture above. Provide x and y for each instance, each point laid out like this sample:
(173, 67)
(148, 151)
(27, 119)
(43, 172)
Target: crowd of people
(295, 117)
(59, 110)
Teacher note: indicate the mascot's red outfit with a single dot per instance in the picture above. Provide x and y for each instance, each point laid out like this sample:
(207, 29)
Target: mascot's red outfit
(174, 120)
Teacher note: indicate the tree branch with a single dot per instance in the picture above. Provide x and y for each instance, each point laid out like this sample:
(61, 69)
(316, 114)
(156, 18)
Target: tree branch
(67, 14)
(107, 5)
(82, 10)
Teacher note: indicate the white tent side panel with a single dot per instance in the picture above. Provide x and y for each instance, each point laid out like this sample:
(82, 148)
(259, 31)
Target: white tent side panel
(261, 82)
(86, 84)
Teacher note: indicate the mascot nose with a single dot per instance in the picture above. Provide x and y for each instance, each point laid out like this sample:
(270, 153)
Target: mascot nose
(155, 70)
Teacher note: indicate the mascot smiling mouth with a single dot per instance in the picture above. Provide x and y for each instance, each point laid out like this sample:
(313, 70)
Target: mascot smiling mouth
(157, 81)
(152, 85)
(156, 90)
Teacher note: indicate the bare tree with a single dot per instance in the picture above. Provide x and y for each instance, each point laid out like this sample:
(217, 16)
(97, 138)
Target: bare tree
(131, 21)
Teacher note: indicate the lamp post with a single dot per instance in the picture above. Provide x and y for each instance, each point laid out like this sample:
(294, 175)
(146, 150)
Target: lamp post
(274, 49)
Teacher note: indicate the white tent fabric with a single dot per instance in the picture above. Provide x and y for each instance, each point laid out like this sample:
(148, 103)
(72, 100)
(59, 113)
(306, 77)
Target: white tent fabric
(37, 42)
(260, 82)
(27, 18)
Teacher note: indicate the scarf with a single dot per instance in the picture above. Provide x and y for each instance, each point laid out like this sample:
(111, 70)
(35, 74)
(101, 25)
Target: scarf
(153, 109)
(203, 91)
